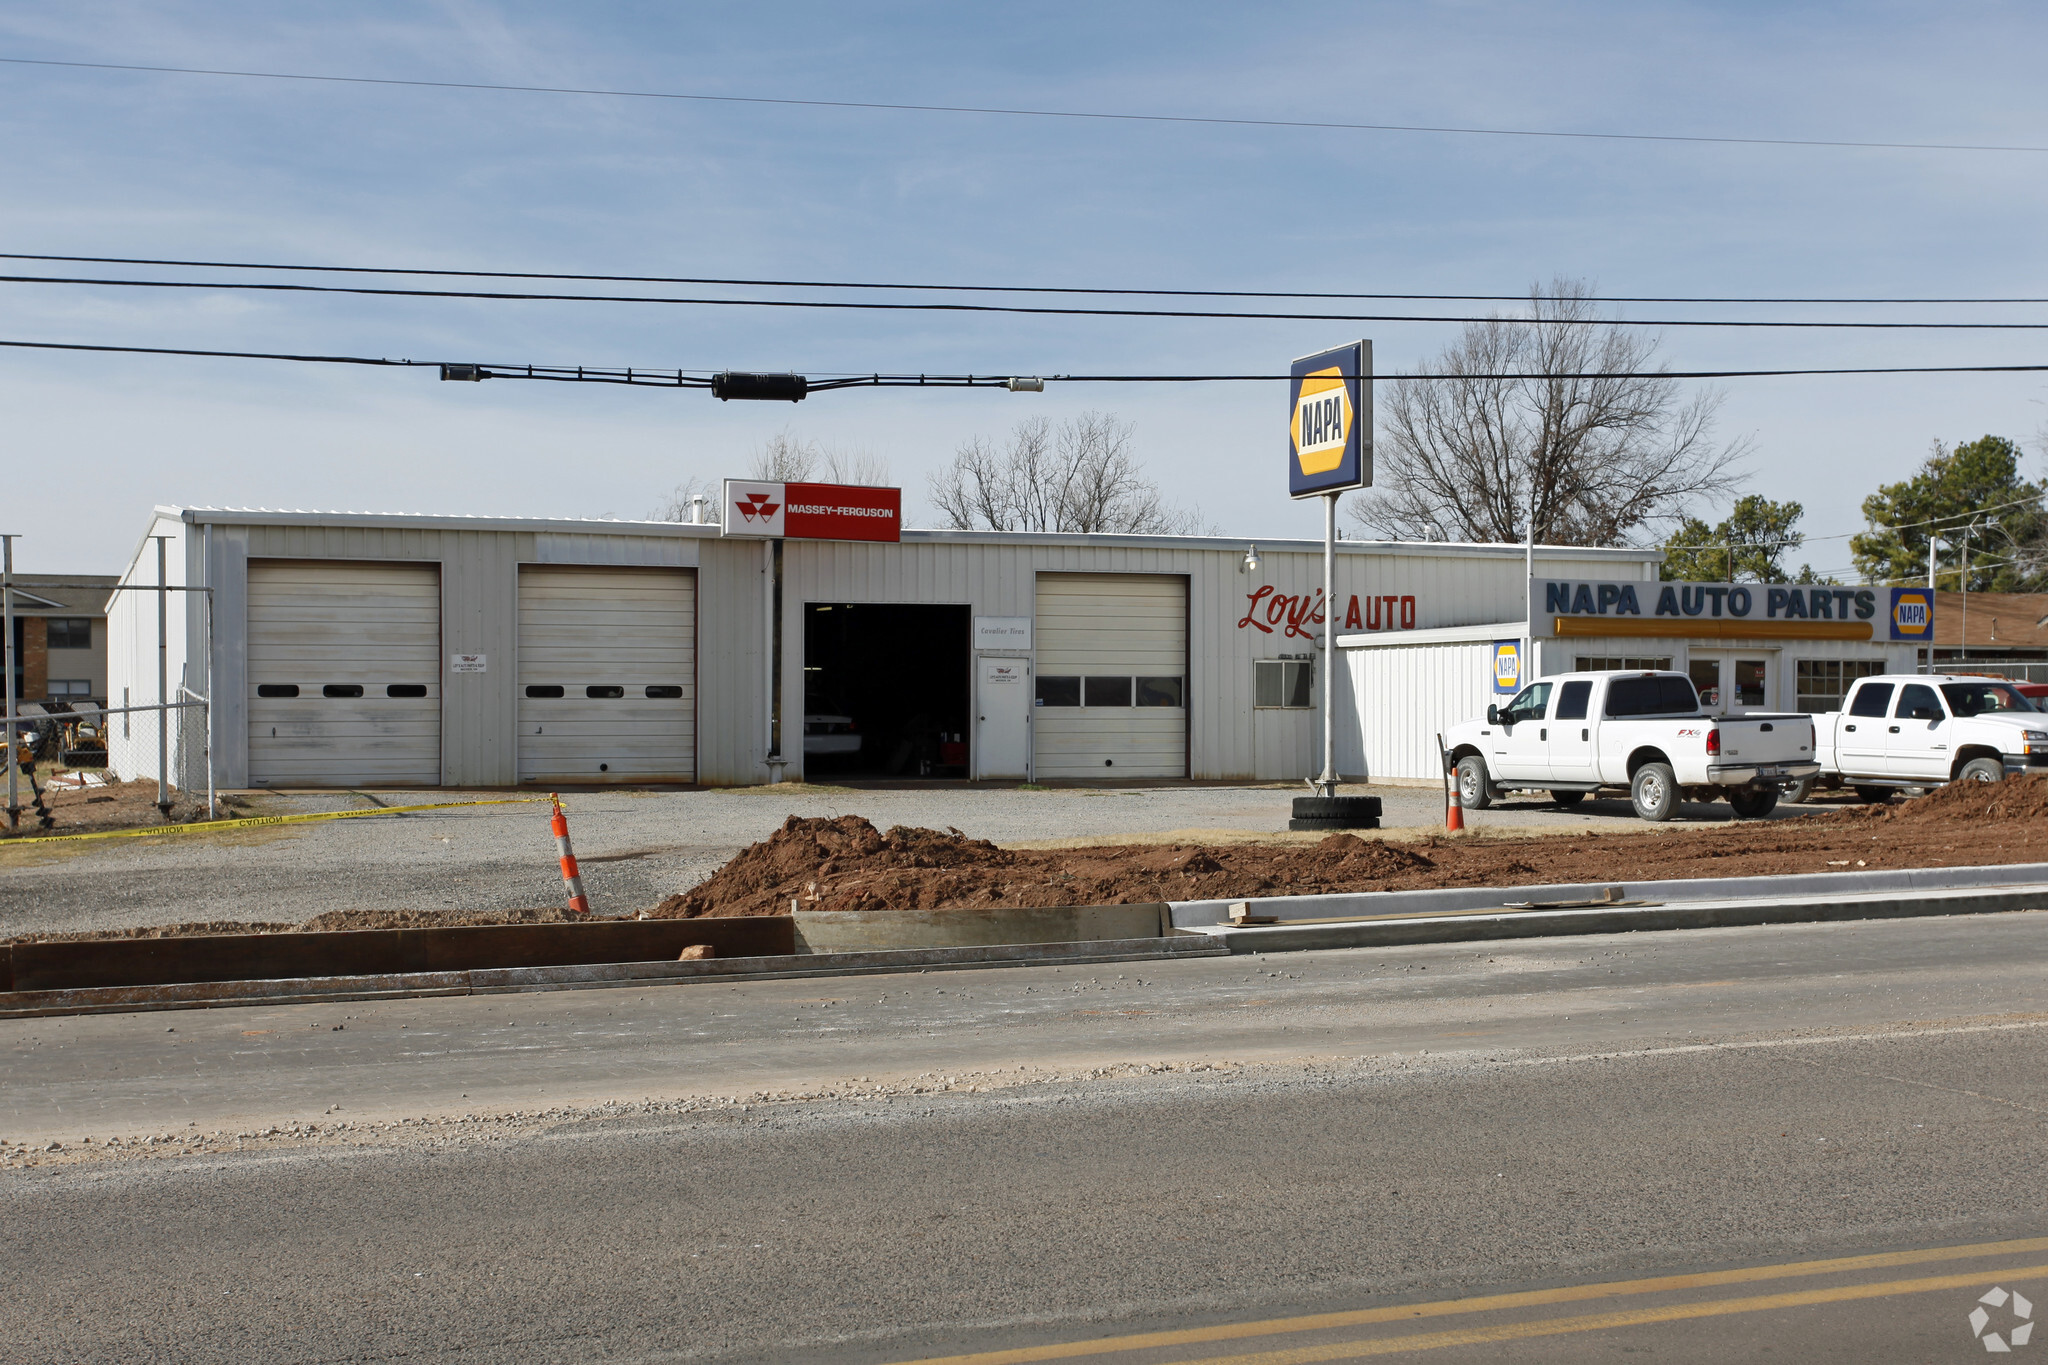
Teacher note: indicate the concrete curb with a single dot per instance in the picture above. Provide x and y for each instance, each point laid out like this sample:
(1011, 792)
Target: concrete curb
(1452, 926)
(1381, 904)
(503, 981)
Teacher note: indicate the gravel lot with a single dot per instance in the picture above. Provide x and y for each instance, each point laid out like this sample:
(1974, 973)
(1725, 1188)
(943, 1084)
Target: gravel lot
(635, 847)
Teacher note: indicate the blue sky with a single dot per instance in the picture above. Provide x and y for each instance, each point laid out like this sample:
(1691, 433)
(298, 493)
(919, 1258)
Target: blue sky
(127, 164)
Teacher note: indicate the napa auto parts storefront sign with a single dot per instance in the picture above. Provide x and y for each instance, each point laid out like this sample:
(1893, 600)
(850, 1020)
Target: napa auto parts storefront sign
(812, 511)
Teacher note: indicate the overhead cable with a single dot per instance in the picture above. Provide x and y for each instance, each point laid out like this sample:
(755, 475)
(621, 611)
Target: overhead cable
(1014, 112)
(669, 378)
(1033, 310)
(981, 288)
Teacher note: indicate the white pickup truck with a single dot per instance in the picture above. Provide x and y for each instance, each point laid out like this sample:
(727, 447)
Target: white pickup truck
(1921, 730)
(1578, 732)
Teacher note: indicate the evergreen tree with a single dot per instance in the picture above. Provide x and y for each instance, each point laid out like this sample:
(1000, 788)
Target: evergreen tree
(1977, 483)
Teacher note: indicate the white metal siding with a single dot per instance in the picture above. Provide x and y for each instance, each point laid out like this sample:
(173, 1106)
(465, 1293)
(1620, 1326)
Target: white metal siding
(315, 624)
(1111, 625)
(633, 629)
(1406, 695)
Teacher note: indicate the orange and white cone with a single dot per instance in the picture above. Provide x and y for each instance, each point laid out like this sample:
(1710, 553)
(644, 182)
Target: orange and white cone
(1454, 817)
(571, 878)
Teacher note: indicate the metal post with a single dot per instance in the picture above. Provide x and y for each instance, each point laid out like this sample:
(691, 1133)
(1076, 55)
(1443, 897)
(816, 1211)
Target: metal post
(206, 579)
(7, 655)
(1524, 668)
(163, 681)
(1930, 600)
(1326, 785)
(1963, 638)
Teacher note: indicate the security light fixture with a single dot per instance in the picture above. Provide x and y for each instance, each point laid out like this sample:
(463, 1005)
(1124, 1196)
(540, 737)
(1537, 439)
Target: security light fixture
(1251, 560)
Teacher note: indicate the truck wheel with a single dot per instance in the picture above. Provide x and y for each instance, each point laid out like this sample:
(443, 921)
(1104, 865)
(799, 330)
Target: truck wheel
(1797, 792)
(1654, 791)
(1749, 803)
(1567, 798)
(1982, 770)
(1875, 796)
(1474, 791)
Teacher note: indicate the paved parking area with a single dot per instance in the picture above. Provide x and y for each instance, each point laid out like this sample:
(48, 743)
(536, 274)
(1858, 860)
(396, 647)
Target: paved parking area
(635, 846)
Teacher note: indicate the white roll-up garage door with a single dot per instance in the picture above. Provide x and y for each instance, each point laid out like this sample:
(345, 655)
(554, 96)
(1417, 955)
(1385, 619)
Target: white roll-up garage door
(607, 675)
(344, 673)
(1111, 680)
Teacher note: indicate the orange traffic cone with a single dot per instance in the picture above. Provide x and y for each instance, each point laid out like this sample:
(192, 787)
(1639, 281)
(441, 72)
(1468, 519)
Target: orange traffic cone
(571, 877)
(1454, 818)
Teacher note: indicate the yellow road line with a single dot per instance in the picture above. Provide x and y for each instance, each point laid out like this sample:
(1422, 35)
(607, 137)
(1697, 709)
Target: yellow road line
(1487, 1303)
(251, 822)
(1633, 1317)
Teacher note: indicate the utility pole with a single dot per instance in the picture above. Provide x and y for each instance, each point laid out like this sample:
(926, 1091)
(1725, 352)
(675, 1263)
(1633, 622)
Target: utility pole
(1326, 785)
(1930, 599)
(7, 655)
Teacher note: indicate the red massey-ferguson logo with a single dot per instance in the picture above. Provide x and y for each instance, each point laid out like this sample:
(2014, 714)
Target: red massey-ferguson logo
(756, 507)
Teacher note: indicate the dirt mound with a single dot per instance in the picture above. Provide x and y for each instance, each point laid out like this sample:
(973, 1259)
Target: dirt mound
(844, 864)
(2018, 798)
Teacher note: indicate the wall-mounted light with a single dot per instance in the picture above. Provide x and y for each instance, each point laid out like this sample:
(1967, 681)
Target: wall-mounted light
(1251, 561)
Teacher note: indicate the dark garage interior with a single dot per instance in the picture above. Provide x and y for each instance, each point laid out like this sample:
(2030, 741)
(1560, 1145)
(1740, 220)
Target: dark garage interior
(886, 689)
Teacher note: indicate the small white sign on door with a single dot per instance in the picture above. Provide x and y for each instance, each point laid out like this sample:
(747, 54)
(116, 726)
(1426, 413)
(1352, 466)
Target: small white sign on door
(468, 663)
(1002, 633)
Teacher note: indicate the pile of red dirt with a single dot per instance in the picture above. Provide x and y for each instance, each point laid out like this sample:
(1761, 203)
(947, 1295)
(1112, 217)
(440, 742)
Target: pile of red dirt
(846, 864)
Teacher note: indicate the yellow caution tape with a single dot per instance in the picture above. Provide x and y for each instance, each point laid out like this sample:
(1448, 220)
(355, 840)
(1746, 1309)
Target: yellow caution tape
(251, 822)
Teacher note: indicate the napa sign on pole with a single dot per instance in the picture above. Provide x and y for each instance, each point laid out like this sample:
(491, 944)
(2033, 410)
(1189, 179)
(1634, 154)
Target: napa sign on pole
(1329, 451)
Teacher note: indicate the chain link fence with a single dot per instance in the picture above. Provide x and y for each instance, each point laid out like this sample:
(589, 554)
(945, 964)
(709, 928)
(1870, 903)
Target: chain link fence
(78, 765)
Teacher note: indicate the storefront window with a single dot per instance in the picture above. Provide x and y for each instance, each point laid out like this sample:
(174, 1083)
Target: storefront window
(1108, 691)
(1285, 683)
(1588, 664)
(1824, 682)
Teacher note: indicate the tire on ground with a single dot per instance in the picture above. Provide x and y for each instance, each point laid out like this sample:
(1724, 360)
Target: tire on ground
(1654, 791)
(1750, 803)
(1982, 770)
(1336, 808)
(1336, 822)
(1475, 791)
(1796, 792)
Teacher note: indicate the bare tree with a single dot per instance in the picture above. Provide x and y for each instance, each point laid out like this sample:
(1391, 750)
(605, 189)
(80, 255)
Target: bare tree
(1567, 414)
(1080, 476)
(784, 458)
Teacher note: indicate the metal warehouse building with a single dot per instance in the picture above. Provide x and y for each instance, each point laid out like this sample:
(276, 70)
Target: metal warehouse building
(351, 649)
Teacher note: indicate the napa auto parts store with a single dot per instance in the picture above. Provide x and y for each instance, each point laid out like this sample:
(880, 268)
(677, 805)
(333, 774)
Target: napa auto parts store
(811, 636)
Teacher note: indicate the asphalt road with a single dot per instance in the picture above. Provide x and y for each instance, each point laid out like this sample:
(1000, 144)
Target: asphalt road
(635, 847)
(1379, 1135)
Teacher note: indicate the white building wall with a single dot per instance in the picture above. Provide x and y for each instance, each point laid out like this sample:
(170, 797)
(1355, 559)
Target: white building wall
(132, 659)
(1409, 694)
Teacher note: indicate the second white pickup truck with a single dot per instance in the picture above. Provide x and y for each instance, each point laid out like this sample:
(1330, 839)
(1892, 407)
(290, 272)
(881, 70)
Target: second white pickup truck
(1921, 730)
(1578, 732)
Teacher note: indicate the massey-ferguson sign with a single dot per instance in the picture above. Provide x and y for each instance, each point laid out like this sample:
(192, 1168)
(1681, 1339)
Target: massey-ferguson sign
(812, 511)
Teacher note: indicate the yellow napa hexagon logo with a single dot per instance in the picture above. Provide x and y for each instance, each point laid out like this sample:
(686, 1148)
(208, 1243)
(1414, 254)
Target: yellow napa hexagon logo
(1323, 415)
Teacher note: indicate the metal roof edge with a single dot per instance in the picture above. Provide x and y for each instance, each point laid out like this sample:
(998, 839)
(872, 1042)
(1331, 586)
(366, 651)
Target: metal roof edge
(1240, 543)
(433, 521)
(1441, 635)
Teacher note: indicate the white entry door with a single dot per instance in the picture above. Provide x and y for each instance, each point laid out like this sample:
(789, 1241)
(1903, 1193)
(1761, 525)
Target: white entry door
(1002, 707)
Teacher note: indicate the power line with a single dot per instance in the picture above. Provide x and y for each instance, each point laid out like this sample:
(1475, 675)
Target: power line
(1005, 112)
(498, 296)
(643, 376)
(973, 288)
